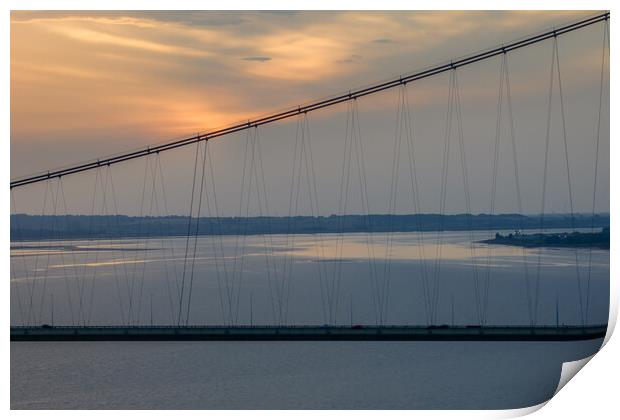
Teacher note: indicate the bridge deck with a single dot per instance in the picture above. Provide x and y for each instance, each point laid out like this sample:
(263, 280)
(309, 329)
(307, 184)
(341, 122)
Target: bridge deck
(308, 333)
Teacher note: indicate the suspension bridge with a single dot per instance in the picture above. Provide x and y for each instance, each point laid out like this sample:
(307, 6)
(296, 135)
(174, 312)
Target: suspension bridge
(52, 241)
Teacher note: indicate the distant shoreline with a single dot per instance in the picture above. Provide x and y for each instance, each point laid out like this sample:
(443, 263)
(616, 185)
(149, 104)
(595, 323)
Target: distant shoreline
(31, 227)
(598, 240)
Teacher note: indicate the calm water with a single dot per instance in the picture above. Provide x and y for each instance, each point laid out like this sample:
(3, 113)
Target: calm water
(288, 375)
(301, 279)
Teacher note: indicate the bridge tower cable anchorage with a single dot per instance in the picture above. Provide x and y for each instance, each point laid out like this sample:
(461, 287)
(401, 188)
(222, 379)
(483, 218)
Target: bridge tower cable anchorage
(313, 106)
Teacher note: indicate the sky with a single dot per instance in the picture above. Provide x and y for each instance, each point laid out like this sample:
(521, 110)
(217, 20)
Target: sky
(90, 84)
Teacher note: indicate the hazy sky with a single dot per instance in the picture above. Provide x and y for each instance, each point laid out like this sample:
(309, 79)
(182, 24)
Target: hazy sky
(90, 84)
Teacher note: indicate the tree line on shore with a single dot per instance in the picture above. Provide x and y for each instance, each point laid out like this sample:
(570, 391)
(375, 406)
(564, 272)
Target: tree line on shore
(34, 227)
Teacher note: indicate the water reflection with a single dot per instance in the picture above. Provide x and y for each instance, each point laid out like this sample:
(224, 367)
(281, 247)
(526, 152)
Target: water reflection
(292, 274)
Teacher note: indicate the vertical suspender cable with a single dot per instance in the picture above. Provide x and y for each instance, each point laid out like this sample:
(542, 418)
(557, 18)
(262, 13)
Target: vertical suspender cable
(49, 250)
(191, 278)
(171, 242)
(216, 234)
(342, 208)
(515, 163)
(106, 213)
(189, 227)
(496, 147)
(68, 246)
(236, 272)
(17, 237)
(148, 229)
(82, 282)
(36, 257)
(415, 196)
(570, 187)
(118, 228)
(263, 208)
(162, 216)
(544, 186)
(361, 165)
(442, 202)
(463, 158)
(313, 190)
(596, 158)
(387, 269)
(140, 226)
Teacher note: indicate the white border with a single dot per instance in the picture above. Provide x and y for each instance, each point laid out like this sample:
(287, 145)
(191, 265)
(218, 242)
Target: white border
(593, 394)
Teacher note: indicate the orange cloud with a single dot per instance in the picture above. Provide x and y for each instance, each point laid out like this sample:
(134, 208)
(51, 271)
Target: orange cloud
(72, 74)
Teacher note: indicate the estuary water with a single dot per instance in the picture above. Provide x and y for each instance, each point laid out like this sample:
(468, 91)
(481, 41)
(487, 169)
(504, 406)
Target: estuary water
(299, 279)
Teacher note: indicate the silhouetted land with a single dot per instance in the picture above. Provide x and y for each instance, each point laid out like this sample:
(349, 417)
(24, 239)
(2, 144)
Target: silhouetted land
(567, 239)
(31, 227)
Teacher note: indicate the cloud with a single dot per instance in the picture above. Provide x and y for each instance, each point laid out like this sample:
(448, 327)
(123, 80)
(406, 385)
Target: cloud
(260, 58)
(383, 41)
(159, 74)
(194, 18)
(350, 59)
(99, 37)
